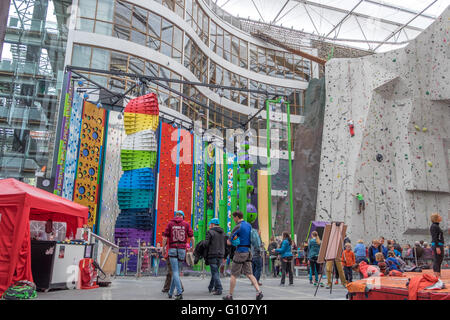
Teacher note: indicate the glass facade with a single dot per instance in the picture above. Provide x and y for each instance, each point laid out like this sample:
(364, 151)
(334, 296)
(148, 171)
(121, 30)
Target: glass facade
(144, 27)
(31, 73)
(33, 57)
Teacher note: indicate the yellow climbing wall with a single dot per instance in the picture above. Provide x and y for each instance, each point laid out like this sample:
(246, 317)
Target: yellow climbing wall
(263, 210)
(87, 183)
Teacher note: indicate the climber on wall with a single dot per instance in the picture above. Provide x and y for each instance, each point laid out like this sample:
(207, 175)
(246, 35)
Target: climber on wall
(351, 126)
(362, 203)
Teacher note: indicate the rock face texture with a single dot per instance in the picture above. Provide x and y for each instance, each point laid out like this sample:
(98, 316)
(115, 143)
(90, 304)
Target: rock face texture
(398, 158)
(305, 166)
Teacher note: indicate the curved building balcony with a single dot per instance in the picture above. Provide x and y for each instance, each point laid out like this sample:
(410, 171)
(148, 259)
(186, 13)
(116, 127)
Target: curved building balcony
(150, 38)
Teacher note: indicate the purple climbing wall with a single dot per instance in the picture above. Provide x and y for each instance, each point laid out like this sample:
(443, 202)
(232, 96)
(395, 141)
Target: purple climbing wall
(399, 104)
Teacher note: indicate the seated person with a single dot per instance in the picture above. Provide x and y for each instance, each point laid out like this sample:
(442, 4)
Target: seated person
(366, 270)
(392, 262)
(392, 249)
(381, 263)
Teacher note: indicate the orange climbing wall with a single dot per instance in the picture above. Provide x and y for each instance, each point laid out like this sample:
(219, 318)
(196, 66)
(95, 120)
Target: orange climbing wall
(86, 190)
(185, 175)
(166, 180)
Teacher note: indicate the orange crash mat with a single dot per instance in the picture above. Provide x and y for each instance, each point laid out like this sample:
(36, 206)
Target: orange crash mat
(397, 285)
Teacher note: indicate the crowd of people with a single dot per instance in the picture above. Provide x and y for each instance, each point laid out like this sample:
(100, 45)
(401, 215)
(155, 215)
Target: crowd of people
(245, 252)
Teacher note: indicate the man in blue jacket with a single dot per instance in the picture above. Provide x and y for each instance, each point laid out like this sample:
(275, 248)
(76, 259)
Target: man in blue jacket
(242, 259)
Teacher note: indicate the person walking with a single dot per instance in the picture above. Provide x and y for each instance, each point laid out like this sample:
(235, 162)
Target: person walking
(285, 252)
(256, 254)
(313, 255)
(177, 234)
(169, 274)
(242, 256)
(215, 242)
(437, 243)
(273, 257)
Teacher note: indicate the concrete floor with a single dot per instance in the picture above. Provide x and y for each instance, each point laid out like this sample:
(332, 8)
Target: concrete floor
(149, 288)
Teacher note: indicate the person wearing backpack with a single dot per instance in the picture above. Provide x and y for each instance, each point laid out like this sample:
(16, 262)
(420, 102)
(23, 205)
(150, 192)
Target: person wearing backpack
(215, 242)
(313, 255)
(256, 254)
(242, 258)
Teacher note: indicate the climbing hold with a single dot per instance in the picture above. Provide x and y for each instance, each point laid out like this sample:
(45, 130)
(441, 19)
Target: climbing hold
(429, 163)
(424, 130)
(379, 157)
(417, 127)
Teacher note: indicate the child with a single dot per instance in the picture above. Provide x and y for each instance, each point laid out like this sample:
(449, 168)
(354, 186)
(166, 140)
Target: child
(366, 270)
(392, 262)
(381, 263)
(348, 260)
(145, 258)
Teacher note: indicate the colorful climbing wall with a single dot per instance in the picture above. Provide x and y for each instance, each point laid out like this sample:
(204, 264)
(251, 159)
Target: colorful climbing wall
(112, 173)
(398, 103)
(88, 174)
(218, 155)
(61, 145)
(166, 179)
(71, 158)
(136, 187)
(210, 180)
(185, 173)
(229, 168)
(199, 179)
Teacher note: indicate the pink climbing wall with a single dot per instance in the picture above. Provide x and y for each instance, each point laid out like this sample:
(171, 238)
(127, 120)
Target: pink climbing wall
(399, 104)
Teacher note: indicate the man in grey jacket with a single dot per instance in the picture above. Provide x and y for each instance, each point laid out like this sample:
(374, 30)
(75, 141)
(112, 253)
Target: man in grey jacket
(215, 241)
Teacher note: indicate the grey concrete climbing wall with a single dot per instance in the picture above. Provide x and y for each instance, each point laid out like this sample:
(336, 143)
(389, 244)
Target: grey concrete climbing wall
(399, 103)
(305, 166)
(111, 175)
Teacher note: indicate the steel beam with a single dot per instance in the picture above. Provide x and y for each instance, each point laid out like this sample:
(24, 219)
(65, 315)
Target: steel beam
(405, 25)
(343, 19)
(364, 16)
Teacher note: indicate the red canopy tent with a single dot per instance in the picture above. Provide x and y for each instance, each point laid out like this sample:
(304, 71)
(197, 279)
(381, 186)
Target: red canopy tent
(20, 203)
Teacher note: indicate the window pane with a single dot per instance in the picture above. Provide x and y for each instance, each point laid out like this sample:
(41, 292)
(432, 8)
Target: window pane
(123, 13)
(166, 49)
(154, 25)
(81, 56)
(103, 28)
(85, 25)
(105, 10)
(137, 37)
(121, 32)
(139, 20)
(136, 65)
(177, 38)
(153, 43)
(100, 58)
(87, 8)
(167, 28)
(119, 62)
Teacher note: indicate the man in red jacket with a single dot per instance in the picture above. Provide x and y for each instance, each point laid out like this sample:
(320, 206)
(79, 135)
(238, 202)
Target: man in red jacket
(177, 234)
